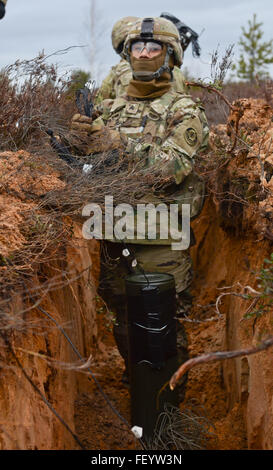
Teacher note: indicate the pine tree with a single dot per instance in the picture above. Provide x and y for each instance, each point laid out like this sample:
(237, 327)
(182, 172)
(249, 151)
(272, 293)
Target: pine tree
(255, 54)
(78, 80)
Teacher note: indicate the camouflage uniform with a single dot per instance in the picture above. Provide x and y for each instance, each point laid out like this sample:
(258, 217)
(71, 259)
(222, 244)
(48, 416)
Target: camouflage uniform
(158, 141)
(168, 132)
(175, 146)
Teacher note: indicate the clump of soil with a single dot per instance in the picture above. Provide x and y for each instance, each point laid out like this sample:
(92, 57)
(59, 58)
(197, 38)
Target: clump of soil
(30, 234)
(24, 180)
(244, 182)
(206, 385)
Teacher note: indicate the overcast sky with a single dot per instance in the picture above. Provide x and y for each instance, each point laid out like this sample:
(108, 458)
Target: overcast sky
(31, 26)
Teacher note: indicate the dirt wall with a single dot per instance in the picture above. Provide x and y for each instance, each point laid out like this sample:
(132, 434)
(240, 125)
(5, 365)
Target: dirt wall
(223, 259)
(26, 421)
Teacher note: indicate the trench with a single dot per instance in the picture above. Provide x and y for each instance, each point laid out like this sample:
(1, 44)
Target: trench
(222, 388)
(232, 240)
(228, 391)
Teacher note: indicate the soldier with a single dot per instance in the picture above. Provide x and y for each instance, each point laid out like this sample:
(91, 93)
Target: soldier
(117, 81)
(2, 8)
(163, 129)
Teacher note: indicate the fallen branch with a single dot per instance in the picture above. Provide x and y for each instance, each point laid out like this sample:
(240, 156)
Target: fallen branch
(216, 356)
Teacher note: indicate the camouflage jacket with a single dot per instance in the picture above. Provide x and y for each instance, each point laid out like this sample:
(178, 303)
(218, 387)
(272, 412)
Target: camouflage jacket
(169, 131)
(117, 81)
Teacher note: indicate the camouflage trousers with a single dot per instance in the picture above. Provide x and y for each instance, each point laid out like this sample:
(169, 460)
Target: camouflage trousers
(151, 258)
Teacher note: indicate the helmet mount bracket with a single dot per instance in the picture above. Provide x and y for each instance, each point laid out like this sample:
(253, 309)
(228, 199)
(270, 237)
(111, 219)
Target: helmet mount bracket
(147, 28)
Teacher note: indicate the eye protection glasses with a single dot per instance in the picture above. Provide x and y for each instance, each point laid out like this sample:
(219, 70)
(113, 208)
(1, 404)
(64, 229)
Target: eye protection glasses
(151, 47)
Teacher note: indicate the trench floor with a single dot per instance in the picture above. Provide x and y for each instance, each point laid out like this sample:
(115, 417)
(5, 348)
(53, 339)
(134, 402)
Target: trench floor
(101, 429)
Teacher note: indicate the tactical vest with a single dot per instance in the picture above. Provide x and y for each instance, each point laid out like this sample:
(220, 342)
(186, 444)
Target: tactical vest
(122, 78)
(144, 121)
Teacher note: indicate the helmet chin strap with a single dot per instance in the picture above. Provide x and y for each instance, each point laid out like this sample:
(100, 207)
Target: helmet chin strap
(147, 77)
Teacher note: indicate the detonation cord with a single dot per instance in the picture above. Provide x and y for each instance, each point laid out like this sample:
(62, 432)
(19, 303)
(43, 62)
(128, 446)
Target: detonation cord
(115, 411)
(134, 263)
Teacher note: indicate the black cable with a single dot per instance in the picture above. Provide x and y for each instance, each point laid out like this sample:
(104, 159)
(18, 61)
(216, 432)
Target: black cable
(89, 370)
(81, 358)
(88, 109)
(133, 259)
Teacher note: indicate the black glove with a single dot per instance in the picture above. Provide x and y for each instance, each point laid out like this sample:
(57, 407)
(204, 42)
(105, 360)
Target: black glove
(2, 10)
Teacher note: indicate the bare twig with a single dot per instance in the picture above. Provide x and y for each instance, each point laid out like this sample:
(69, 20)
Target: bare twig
(215, 90)
(218, 301)
(76, 366)
(216, 356)
(206, 320)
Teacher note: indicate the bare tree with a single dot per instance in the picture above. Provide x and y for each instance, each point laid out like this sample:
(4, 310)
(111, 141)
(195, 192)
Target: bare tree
(98, 33)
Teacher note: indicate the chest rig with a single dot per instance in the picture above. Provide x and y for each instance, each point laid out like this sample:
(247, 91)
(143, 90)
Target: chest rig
(142, 120)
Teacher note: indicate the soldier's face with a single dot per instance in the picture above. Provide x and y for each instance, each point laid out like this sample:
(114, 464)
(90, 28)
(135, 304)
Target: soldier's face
(148, 50)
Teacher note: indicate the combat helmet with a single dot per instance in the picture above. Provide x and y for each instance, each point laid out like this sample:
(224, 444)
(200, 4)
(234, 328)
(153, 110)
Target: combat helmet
(156, 29)
(120, 30)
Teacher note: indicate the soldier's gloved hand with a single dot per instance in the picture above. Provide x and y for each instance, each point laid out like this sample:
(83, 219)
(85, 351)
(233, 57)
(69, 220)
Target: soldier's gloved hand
(104, 140)
(81, 124)
(79, 136)
(2, 10)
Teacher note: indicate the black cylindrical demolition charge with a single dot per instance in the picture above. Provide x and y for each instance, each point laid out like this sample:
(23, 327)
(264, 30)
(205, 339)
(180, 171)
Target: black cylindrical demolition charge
(151, 308)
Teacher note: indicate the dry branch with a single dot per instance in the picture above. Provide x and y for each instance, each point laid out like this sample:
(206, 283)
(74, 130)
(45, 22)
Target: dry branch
(215, 90)
(216, 356)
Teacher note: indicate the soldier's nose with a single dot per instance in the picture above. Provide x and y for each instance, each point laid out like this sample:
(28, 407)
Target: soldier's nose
(144, 53)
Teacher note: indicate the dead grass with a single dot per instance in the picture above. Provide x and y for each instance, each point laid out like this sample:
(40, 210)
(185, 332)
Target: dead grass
(217, 111)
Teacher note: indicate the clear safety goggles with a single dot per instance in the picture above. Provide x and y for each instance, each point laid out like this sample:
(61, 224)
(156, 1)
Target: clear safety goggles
(151, 47)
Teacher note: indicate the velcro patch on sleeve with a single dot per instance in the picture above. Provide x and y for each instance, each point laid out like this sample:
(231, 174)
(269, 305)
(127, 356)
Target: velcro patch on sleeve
(191, 136)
